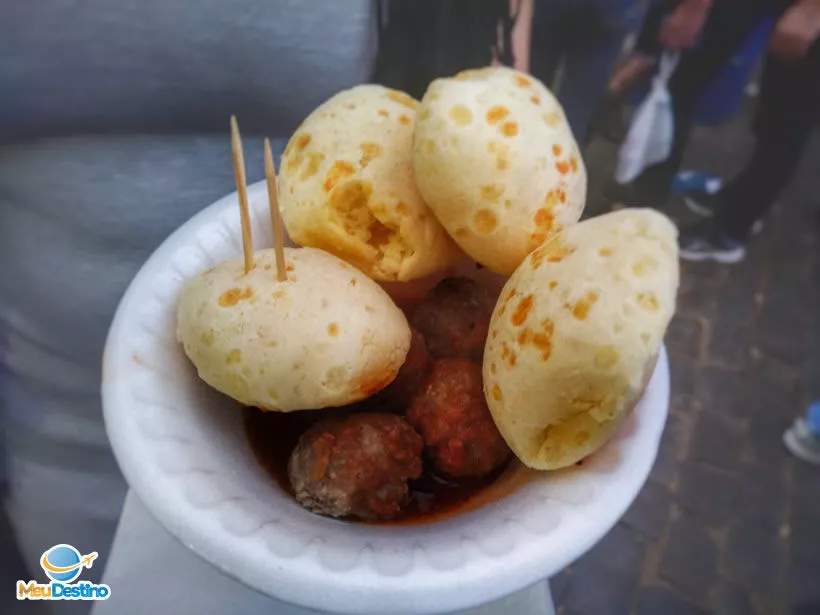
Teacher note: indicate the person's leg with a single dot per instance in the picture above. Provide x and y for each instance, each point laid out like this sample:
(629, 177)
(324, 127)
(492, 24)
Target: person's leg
(647, 42)
(602, 26)
(789, 104)
(548, 39)
(585, 78)
(728, 26)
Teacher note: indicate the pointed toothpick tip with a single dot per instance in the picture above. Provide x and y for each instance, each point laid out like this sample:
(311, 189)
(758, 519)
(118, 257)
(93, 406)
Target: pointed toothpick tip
(242, 191)
(275, 216)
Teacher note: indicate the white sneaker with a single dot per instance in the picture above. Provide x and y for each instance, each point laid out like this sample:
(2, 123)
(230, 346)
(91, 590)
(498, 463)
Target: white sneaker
(802, 443)
(703, 242)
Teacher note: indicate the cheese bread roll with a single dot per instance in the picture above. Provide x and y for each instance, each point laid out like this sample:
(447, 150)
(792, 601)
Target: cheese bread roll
(496, 161)
(328, 336)
(576, 332)
(347, 187)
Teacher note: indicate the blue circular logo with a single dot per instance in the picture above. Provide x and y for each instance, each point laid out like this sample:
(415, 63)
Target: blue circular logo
(62, 563)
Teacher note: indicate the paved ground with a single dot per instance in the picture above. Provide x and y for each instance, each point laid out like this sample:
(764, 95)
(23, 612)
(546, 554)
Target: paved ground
(728, 523)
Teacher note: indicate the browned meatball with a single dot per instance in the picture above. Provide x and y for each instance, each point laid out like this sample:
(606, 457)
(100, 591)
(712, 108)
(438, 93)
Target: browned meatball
(397, 395)
(452, 417)
(454, 318)
(356, 466)
(410, 379)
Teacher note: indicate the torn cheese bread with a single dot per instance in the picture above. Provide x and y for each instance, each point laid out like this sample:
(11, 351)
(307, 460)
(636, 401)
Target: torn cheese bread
(347, 186)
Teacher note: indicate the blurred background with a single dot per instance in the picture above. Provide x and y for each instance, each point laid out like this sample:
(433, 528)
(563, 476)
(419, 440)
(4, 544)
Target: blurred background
(113, 132)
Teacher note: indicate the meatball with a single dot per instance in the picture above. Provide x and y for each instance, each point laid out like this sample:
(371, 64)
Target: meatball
(356, 466)
(411, 376)
(396, 396)
(454, 318)
(453, 418)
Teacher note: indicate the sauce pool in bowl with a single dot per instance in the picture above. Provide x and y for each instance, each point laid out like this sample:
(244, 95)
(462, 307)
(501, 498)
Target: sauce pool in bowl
(274, 435)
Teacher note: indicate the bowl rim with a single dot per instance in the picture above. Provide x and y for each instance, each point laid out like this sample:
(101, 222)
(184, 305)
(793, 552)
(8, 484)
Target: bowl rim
(422, 589)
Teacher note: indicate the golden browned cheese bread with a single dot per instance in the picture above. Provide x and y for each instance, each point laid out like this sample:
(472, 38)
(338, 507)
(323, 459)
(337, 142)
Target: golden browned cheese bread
(576, 332)
(347, 186)
(496, 161)
(328, 336)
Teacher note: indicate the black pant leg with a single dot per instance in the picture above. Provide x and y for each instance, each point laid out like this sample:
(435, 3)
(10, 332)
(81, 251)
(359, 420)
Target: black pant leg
(549, 39)
(729, 25)
(788, 109)
(648, 42)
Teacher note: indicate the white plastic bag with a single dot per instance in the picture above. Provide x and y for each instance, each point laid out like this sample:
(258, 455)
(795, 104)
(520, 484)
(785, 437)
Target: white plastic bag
(649, 140)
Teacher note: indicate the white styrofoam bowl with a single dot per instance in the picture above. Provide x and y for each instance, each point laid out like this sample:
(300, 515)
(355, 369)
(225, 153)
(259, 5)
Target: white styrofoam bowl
(183, 450)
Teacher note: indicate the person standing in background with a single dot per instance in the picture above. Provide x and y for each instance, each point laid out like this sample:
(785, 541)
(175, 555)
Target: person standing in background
(708, 32)
(423, 40)
(584, 38)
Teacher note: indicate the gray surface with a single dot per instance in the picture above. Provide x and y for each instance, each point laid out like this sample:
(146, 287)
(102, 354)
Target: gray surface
(155, 66)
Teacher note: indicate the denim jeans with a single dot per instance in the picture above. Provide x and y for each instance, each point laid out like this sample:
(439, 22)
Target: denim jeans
(587, 37)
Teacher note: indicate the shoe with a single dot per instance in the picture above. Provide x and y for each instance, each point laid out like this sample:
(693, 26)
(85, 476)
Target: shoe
(701, 203)
(802, 443)
(705, 204)
(704, 242)
(686, 182)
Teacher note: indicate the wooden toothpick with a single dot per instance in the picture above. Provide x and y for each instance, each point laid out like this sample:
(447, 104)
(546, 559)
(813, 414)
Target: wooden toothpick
(275, 216)
(242, 190)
